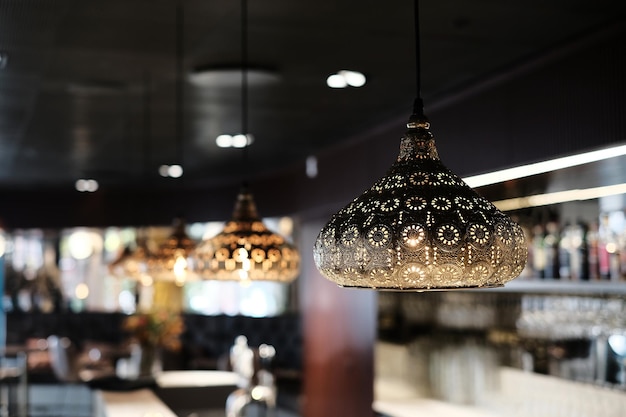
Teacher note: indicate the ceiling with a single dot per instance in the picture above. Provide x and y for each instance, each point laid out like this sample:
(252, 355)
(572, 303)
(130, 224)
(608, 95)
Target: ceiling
(90, 88)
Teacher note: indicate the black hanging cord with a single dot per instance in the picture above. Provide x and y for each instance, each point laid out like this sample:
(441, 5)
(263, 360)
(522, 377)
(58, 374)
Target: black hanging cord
(179, 83)
(244, 78)
(418, 105)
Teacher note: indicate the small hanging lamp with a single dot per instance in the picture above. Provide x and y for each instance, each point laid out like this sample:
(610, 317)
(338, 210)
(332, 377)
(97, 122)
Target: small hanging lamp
(173, 260)
(246, 250)
(420, 227)
(132, 261)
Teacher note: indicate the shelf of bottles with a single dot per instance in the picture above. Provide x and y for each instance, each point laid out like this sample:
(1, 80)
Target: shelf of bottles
(587, 255)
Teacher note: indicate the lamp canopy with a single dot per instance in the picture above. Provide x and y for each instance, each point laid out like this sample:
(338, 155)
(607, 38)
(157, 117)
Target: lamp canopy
(420, 227)
(246, 250)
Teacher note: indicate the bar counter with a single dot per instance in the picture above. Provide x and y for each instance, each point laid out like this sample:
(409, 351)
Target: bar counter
(174, 393)
(142, 402)
(519, 393)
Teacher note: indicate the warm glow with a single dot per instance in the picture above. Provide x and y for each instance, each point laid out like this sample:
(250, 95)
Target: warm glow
(543, 167)
(420, 227)
(180, 270)
(80, 244)
(246, 250)
(611, 247)
(82, 291)
(244, 279)
(146, 280)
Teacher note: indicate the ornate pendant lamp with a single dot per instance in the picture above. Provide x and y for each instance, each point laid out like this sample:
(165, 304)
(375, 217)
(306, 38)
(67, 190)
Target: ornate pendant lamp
(132, 263)
(420, 227)
(246, 250)
(173, 260)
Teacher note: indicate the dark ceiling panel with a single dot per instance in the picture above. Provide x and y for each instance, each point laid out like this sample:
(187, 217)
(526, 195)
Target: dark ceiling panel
(74, 96)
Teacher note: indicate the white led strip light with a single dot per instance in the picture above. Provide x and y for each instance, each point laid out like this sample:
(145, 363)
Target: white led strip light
(543, 167)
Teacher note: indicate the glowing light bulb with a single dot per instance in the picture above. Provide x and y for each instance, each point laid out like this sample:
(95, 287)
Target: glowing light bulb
(180, 270)
(146, 280)
(175, 171)
(353, 78)
(336, 81)
(82, 291)
(224, 141)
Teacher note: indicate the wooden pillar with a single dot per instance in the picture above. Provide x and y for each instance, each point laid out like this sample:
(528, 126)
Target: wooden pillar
(339, 327)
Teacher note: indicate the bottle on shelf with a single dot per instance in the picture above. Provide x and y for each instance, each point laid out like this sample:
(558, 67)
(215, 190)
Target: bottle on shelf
(593, 251)
(604, 247)
(537, 251)
(551, 247)
(582, 260)
(565, 251)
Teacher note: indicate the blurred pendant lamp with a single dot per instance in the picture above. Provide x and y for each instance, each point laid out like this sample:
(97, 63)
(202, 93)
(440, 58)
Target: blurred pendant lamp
(133, 262)
(172, 260)
(420, 227)
(246, 250)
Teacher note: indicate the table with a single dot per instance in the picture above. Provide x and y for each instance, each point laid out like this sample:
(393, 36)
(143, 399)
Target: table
(142, 402)
(427, 407)
(188, 391)
(189, 379)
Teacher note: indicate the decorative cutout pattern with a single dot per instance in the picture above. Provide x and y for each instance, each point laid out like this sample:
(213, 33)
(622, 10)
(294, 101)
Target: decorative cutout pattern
(420, 227)
(247, 250)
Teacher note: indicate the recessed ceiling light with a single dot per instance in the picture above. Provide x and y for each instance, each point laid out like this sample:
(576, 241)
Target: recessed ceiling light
(336, 81)
(234, 141)
(175, 171)
(224, 141)
(86, 185)
(171, 171)
(353, 78)
(346, 78)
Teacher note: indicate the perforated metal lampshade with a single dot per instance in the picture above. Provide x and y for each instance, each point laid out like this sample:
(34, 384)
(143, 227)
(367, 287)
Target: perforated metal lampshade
(131, 263)
(173, 260)
(420, 227)
(246, 250)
